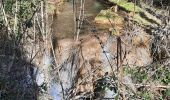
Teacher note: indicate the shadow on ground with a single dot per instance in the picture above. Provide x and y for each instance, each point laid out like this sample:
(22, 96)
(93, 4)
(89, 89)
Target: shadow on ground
(16, 71)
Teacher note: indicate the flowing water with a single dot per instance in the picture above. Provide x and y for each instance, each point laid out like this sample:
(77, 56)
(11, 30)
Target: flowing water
(63, 23)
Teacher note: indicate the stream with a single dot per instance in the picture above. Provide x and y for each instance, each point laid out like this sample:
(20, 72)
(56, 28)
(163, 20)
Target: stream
(63, 27)
(63, 24)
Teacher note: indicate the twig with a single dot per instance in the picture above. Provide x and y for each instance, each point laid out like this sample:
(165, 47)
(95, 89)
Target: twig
(12, 62)
(57, 68)
(148, 85)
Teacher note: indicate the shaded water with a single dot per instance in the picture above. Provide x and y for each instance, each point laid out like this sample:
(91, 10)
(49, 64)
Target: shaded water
(63, 23)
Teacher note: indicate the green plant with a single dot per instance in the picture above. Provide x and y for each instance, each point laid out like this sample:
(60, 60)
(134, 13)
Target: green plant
(162, 74)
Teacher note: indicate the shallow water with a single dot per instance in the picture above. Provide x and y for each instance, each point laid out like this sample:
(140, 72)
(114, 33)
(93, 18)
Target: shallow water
(63, 24)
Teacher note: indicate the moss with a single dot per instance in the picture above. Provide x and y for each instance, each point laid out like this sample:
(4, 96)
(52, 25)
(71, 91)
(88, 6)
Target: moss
(51, 8)
(141, 20)
(129, 6)
(108, 15)
(118, 1)
(145, 19)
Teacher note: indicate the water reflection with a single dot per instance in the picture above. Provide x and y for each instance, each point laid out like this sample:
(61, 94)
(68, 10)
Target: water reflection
(63, 24)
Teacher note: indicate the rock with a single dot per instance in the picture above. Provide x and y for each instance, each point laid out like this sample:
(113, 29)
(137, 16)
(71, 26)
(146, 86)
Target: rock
(54, 91)
(107, 19)
(141, 40)
(40, 79)
(127, 79)
(109, 94)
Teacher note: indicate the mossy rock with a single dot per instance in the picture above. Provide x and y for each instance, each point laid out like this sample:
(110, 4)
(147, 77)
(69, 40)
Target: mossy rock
(108, 17)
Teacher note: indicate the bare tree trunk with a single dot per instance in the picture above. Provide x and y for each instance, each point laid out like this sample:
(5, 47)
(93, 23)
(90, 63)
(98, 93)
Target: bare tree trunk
(80, 19)
(15, 20)
(46, 61)
(42, 18)
(5, 18)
